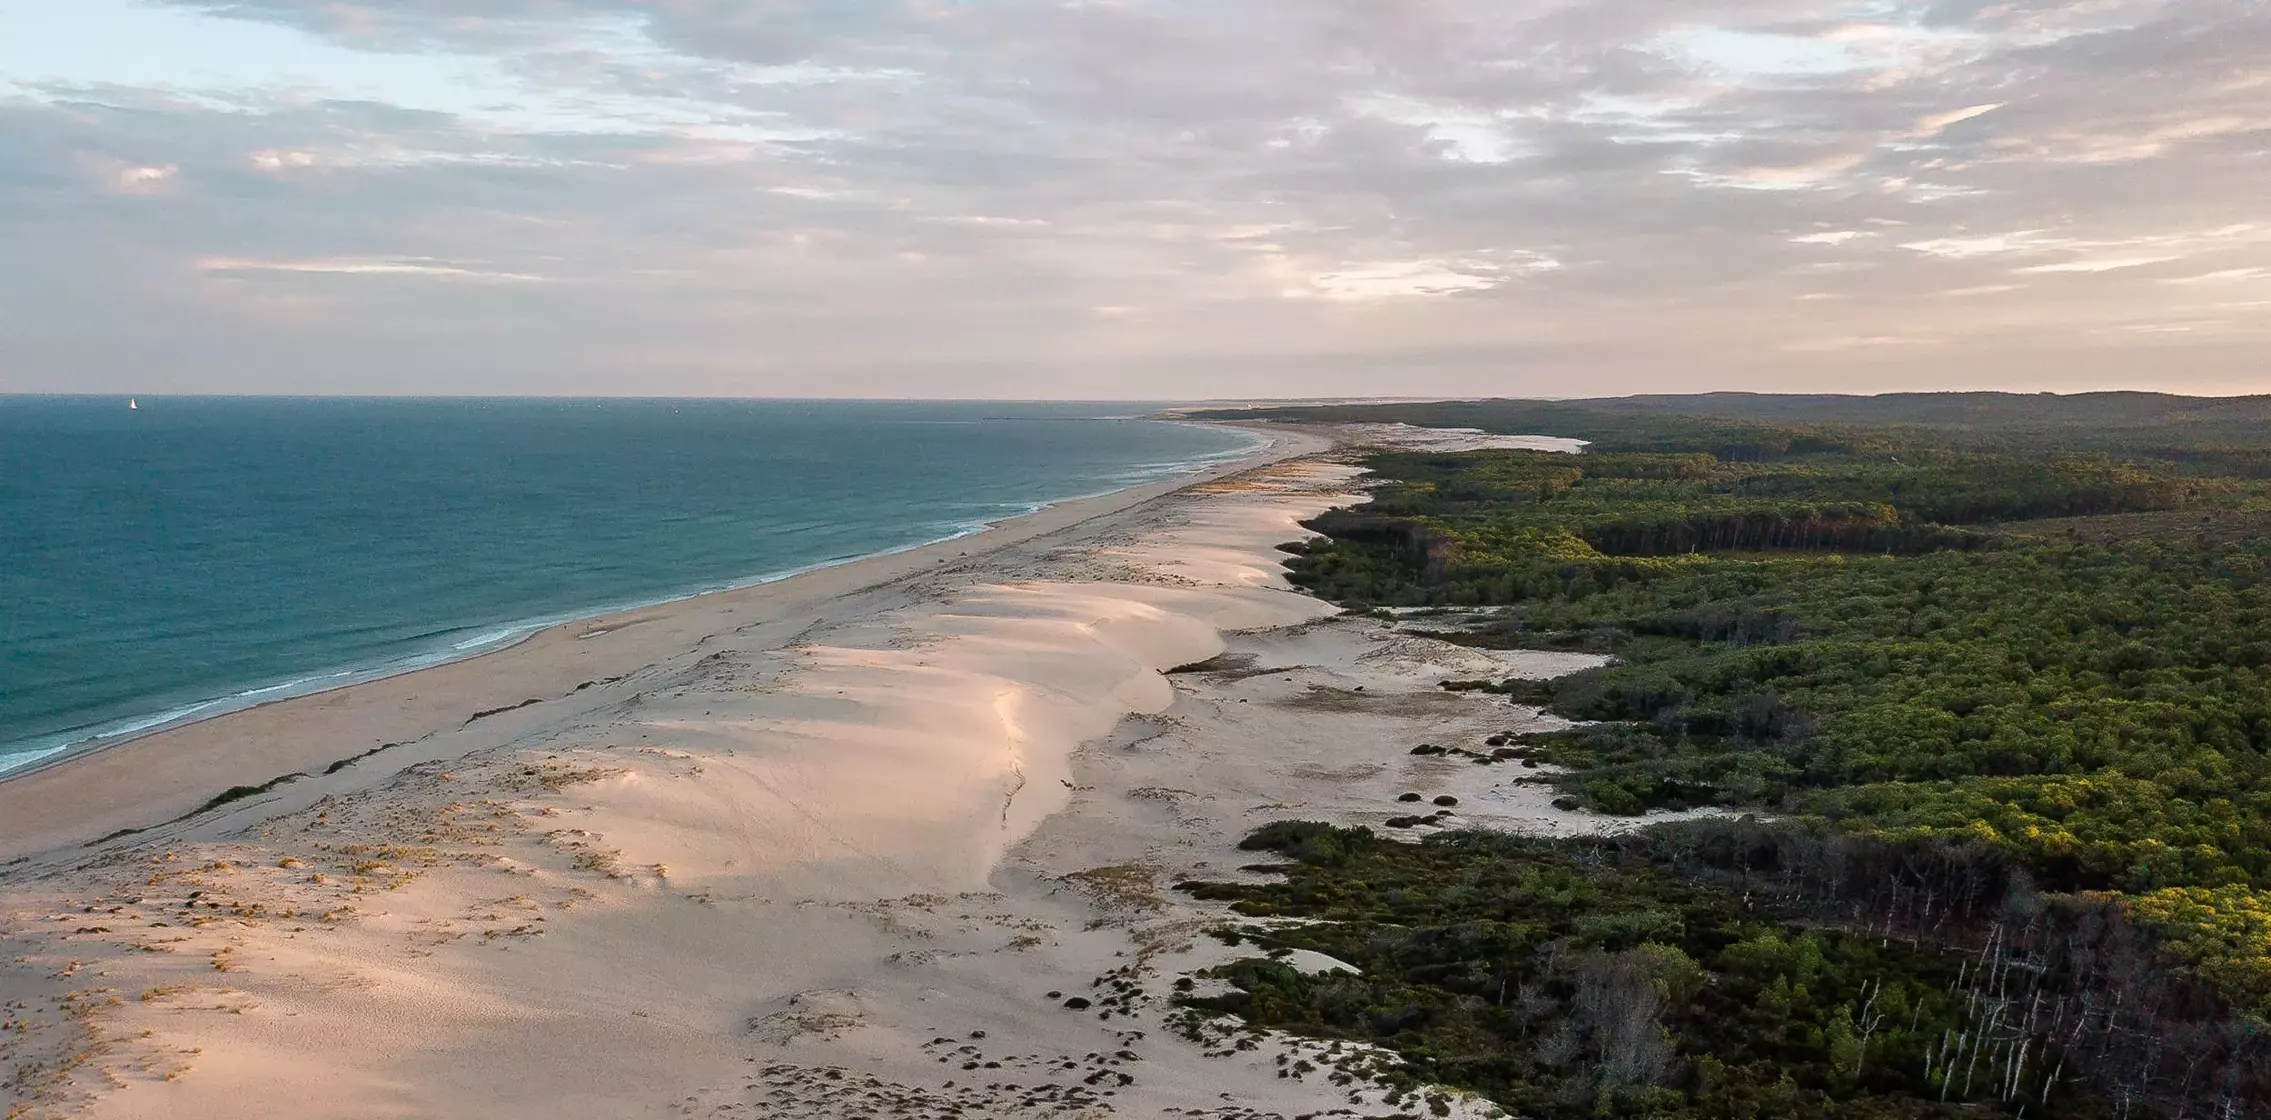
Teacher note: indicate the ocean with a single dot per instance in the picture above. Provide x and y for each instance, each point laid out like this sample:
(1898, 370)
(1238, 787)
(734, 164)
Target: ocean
(195, 555)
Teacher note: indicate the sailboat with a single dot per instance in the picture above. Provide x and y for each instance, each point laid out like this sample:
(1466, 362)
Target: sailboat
(130, 403)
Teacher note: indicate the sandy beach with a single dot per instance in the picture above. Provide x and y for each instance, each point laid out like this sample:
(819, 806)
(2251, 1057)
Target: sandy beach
(889, 839)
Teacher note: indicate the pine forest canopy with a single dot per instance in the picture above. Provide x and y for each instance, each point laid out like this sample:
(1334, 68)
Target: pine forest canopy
(1979, 684)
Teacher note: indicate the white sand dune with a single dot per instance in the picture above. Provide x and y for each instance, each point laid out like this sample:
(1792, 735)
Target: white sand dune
(842, 846)
(1411, 438)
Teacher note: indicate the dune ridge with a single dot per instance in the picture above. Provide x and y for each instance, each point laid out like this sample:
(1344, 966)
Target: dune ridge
(908, 858)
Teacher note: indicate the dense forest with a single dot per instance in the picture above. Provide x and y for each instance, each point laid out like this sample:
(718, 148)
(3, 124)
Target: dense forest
(2203, 435)
(1987, 709)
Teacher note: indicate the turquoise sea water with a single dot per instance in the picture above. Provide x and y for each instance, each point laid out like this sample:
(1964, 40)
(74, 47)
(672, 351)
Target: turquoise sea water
(199, 554)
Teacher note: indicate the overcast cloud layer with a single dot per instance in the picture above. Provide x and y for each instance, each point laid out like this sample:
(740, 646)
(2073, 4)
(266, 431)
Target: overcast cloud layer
(1133, 198)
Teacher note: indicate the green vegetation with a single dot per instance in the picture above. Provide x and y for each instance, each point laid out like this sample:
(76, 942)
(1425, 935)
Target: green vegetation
(239, 793)
(229, 796)
(2219, 435)
(352, 759)
(1715, 970)
(1904, 629)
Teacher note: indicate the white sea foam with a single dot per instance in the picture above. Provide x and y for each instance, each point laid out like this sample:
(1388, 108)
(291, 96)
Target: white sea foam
(287, 686)
(19, 755)
(18, 759)
(494, 637)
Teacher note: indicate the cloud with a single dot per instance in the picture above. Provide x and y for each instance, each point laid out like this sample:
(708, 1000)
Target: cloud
(1400, 278)
(1816, 173)
(1988, 245)
(1136, 198)
(2093, 264)
(1403, 279)
(114, 176)
(1840, 344)
(2091, 255)
(1936, 123)
(2223, 276)
(417, 267)
(271, 160)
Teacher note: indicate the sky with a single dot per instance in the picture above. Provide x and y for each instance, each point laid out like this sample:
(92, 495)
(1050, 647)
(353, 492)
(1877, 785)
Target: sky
(1133, 199)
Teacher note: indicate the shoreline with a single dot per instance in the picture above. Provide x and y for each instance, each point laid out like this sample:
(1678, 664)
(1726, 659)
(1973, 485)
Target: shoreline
(96, 793)
(518, 634)
(824, 848)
